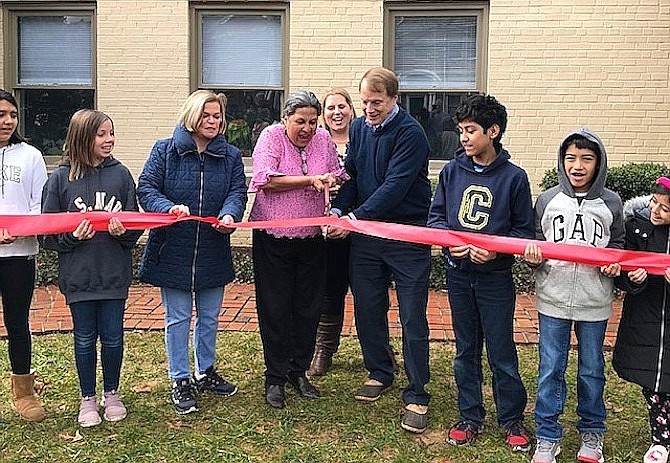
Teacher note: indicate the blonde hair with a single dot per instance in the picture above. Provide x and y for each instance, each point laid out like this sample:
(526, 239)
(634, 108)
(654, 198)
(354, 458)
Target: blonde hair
(337, 91)
(80, 141)
(381, 78)
(191, 111)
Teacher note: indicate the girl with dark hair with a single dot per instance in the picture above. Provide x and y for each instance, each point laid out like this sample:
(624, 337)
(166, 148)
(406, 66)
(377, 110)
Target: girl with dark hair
(23, 175)
(642, 350)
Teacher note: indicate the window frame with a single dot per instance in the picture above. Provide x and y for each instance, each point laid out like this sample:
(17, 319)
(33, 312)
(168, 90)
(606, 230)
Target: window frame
(12, 13)
(480, 10)
(13, 10)
(249, 7)
(259, 8)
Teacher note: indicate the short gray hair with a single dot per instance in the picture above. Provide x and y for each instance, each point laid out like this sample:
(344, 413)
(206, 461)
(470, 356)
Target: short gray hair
(300, 99)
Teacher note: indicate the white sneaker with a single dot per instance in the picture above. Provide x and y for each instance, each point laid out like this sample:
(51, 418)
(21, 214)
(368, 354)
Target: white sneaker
(546, 452)
(656, 454)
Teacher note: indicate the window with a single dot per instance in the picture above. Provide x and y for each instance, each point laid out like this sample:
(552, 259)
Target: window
(438, 52)
(50, 67)
(241, 52)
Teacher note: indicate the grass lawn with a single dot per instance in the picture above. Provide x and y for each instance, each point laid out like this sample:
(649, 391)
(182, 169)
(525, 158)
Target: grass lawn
(242, 428)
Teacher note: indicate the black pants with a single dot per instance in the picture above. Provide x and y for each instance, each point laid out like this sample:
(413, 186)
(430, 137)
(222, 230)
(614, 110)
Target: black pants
(17, 282)
(337, 276)
(290, 277)
(658, 405)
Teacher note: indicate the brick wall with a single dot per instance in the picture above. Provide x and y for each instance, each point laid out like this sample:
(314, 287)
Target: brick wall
(598, 63)
(143, 71)
(333, 43)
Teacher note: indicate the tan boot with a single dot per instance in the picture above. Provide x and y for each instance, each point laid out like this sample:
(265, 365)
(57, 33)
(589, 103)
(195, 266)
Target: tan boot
(24, 398)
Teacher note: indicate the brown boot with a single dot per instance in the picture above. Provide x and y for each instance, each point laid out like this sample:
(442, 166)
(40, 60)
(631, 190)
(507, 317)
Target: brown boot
(24, 399)
(327, 342)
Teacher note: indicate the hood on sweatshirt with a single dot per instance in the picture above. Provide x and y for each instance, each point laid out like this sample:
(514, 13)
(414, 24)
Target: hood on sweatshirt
(638, 206)
(600, 177)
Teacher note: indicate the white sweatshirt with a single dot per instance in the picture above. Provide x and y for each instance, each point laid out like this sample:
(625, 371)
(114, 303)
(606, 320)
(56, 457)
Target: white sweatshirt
(23, 176)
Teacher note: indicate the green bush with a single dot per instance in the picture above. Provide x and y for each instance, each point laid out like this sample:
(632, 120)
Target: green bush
(47, 265)
(47, 268)
(629, 180)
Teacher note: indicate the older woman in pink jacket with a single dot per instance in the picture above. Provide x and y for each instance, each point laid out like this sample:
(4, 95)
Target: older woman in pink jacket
(294, 162)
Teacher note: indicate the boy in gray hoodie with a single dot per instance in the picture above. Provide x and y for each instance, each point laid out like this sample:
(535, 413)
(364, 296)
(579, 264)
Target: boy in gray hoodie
(581, 211)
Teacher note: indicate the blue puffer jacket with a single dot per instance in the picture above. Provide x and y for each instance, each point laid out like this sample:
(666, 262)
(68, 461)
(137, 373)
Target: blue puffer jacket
(191, 255)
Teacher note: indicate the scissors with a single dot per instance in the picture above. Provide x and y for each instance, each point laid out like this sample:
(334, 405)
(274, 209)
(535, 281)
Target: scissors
(326, 211)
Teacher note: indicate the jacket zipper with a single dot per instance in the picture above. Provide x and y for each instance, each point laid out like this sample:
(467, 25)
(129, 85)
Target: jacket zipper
(662, 335)
(197, 226)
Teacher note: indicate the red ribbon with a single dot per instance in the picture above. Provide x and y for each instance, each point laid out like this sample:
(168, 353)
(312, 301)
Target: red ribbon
(46, 224)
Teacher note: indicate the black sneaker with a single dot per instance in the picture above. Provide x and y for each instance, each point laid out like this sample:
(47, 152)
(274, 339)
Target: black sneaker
(214, 383)
(182, 397)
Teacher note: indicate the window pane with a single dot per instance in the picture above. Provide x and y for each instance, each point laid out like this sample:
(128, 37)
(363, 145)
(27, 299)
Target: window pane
(248, 113)
(55, 50)
(241, 50)
(437, 122)
(436, 51)
(45, 115)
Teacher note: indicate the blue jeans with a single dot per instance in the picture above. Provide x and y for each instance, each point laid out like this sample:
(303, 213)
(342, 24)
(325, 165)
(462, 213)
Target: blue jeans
(92, 319)
(178, 311)
(482, 308)
(372, 263)
(551, 386)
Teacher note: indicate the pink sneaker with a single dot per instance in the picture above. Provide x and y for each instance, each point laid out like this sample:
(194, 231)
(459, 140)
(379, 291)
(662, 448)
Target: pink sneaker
(114, 408)
(88, 413)
(656, 454)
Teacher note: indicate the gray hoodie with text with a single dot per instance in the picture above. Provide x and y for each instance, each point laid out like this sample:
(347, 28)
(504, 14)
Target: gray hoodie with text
(568, 290)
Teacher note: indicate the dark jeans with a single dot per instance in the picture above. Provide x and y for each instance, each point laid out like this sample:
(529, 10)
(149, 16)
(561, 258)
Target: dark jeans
(373, 260)
(337, 276)
(92, 319)
(289, 276)
(17, 281)
(482, 308)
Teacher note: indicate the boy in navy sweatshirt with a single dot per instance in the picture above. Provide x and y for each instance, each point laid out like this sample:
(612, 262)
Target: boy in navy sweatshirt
(481, 191)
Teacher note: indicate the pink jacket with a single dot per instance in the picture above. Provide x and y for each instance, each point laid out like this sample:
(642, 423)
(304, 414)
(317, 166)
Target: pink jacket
(275, 155)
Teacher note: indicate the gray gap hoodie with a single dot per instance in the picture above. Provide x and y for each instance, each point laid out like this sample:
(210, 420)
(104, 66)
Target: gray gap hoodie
(567, 290)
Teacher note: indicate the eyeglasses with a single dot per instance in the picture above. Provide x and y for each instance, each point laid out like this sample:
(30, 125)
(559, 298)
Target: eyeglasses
(303, 161)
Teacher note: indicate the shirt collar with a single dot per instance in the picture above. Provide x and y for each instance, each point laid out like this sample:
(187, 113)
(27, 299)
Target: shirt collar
(385, 122)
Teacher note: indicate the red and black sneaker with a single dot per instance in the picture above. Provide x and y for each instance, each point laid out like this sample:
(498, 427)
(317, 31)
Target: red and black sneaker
(517, 437)
(464, 433)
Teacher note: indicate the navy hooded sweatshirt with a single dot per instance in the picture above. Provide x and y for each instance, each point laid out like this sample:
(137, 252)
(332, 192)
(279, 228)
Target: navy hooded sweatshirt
(495, 201)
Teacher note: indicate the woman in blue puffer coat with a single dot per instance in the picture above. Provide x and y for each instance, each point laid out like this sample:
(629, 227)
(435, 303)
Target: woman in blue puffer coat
(194, 172)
